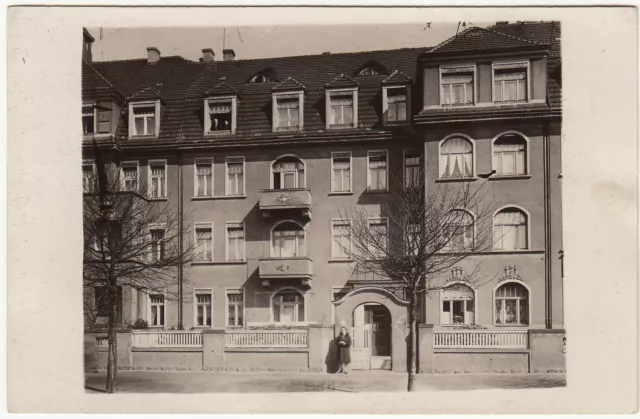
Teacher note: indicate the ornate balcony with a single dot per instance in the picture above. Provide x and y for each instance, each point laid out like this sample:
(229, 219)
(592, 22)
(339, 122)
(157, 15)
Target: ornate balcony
(271, 269)
(285, 199)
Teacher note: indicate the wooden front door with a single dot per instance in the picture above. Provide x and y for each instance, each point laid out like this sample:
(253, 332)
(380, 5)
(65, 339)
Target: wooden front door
(361, 347)
(380, 321)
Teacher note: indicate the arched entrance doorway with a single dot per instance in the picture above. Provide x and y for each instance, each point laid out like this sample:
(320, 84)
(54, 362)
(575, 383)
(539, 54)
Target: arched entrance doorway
(372, 337)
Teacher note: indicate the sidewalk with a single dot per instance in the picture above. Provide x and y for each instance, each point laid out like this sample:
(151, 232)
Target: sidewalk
(276, 382)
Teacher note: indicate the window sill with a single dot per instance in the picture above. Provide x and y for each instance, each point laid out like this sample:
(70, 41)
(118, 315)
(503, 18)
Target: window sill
(225, 262)
(509, 177)
(342, 127)
(217, 133)
(340, 193)
(158, 199)
(458, 179)
(211, 198)
(375, 191)
(340, 261)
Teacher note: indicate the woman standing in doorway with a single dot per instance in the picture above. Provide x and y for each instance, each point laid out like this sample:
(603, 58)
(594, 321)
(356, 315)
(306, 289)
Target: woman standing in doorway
(344, 353)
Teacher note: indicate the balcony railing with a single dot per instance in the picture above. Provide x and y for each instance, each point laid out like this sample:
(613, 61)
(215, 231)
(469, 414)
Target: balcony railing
(266, 338)
(470, 339)
(282, 199)
(166, 339)
(280, 268)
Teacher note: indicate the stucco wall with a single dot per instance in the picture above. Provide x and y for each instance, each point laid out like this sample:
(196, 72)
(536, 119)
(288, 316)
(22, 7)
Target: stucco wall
(275, 360)
(481, 362)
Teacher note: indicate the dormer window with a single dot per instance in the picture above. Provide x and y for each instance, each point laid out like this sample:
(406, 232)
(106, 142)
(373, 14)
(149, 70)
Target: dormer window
(220, 115)
(342, 109)
(457, 85)
(511, 81)
(88, 120)
(395, 103)
(372, 68)
(265, 76)
(144, 119)
(369, 71)
(288, 111)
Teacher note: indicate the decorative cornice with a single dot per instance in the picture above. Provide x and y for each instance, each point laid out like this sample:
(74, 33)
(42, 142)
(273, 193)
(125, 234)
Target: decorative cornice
(511, 273)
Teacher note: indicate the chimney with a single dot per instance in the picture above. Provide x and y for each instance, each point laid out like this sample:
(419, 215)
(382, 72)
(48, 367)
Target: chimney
(228, 55)
(153, 55)
(502, 22)
(208, 55)
(87, 43)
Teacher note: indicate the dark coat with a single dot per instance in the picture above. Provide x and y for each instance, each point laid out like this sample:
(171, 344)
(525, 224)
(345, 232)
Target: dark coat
(344, 353)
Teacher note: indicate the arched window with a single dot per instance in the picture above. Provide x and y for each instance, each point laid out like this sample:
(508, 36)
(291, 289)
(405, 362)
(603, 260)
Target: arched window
(288, 173)
(372, 68)
(264, 76)
(459, 230)
(369, 71)
(288, 307)
(288, 240)
(510, 155)
(510, 230)
(458, 305)
(512, 304)
(456, 158)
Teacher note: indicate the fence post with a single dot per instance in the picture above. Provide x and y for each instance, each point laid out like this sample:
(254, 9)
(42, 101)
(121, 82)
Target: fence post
(213, 343)
(425, 348)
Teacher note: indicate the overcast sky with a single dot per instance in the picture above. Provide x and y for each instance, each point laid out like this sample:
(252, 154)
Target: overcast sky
(266, 41)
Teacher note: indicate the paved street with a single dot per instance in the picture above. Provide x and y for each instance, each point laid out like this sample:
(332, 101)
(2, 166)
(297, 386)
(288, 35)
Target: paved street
(359, 381)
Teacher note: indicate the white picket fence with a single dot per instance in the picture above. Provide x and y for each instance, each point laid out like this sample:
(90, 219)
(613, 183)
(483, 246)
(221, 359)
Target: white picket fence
(478, 339)
(266, 338)
(167, 338)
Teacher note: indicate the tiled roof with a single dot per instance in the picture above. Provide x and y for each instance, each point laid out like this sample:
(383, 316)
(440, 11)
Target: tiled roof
(341, 81)
(221, 89)
(290, 84)
(479, 39)
(396, 77)
(94, 84)
(540, 32)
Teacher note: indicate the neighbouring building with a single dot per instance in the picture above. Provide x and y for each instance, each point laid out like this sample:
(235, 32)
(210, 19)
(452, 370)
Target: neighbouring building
(264, 154)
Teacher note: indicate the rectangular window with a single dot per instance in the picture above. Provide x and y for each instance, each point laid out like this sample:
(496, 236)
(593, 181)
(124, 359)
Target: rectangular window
(457, 85)
(157, 244)
(341, 172)
(235, 308)
(342, 109)
(203, 307)
(129, 171)
(204, 177)
(88, 120)
(378, 245)
(289, 243)
(157, 182)
(341, 244)
(204, 243)
(220, 114)
(235, 176)
(377, 161)
(397, 104)
(144, 120)
(156, 308)
(509, 159)
(288, 113)
(412, 172)
(88, 177)
(510, 82)
(235, 241)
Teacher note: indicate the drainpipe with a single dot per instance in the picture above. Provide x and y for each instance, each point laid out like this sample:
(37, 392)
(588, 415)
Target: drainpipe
(547, 227)
(180, 243)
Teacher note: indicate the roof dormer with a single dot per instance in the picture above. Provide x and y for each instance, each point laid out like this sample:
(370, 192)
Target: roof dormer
(220, 110)
(341, 103)
(268, 75)
(372, 68)
(287, 104)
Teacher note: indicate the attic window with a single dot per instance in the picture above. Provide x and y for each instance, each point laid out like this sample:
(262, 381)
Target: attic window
(144, 119)
(265, 76)
(369, 71)
(220, 115)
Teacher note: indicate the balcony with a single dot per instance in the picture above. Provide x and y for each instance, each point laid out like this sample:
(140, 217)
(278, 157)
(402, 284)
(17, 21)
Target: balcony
(298, 199)
(286, 268)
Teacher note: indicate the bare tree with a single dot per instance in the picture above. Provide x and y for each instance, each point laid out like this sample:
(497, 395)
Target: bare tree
(417, 237)
(129, 242)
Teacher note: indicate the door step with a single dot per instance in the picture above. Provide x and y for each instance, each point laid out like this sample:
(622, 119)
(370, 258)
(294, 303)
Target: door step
(380, 362)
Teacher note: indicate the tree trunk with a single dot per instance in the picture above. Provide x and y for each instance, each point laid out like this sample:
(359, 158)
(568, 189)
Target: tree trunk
(112, 360)
(413, 339)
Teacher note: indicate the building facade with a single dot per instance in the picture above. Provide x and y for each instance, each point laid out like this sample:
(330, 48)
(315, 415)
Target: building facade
(265, 155)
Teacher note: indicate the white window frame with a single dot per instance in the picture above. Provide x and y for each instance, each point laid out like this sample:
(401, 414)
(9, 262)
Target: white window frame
(163, 162)
(369, 154)
(156, 115)
(329, 115)
(297, 177)
(202, 291)
(227, 186)
(379, 220)
(296, 309)
(528, 225)
(337, 222)
(202, 161)
(276, 115)
(416, 153)
(444, 69)
(385, 103)
(153, 227)
(297, 240)
(233, 100)
(196, 226)
(343, 155)
(150, 304)
(473, 156)
(232, 224)
(529, 302)
(475, 304)
(235, 291)
(527, 171)
(130, 163)
(86, 163)
(94, 112)
(500, 65)
(473, 229)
